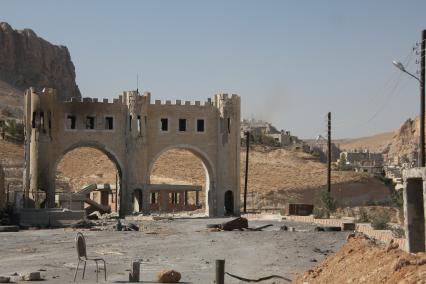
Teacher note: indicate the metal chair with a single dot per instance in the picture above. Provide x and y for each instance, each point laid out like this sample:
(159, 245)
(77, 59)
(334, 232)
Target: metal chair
(80, 244)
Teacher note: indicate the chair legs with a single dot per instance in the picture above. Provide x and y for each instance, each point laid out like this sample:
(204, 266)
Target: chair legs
(75, 275)
(84, 269)
(97, 271)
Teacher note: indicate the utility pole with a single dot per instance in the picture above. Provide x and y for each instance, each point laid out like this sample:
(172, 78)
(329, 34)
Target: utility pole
(246, 176)
(329, 154)
(422, 100)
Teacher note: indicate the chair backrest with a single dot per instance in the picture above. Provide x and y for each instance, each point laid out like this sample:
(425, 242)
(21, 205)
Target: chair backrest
(80, 244)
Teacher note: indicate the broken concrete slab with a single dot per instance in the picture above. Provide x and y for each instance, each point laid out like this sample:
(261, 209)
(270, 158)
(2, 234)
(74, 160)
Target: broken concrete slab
(348, 226)
(32, 276)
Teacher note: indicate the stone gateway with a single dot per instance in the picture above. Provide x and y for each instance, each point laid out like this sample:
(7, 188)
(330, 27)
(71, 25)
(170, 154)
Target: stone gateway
(133, 132)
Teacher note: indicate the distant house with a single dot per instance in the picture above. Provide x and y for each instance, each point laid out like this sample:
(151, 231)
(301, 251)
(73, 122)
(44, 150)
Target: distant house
(259, 127)
(363, 161)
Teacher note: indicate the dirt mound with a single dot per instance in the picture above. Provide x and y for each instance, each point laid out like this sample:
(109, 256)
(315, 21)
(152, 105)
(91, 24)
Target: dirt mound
(361, 260)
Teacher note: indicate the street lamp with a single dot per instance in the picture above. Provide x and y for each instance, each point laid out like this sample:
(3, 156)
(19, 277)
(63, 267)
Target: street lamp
(421, 80)
(401, 67)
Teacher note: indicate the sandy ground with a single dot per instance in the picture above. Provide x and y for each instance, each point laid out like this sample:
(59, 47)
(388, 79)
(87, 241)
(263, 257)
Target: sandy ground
(374, 143)
(181, 244)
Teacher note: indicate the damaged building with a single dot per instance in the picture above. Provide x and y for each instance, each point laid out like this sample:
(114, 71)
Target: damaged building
(133, 132)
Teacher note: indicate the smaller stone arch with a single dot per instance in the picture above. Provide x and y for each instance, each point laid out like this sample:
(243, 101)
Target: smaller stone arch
(208, 165)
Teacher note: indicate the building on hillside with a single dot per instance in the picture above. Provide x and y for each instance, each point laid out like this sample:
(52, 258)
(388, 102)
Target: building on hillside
(258, 128)
(363, 161)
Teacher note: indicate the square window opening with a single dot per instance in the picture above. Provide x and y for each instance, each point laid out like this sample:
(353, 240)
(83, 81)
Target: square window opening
(182, 124)
(71, 121)
(90, 122)
(164, 124)
(200, 125)
(109, 123)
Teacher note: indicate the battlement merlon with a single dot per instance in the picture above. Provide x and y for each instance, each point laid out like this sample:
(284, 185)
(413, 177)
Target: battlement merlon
(132, 99)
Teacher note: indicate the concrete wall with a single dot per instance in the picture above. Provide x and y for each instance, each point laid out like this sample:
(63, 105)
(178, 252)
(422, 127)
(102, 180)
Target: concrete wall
(135, 142)
(414, 208)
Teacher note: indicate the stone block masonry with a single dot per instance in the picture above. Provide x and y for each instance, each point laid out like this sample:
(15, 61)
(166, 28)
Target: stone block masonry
(134, 133)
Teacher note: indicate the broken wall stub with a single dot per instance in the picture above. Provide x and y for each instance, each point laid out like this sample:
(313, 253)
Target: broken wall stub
(2, 188)
(133, 132)
(414, 208)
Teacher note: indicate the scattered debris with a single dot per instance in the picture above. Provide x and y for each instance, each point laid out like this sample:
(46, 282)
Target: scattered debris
(284, 228)
(392, 245)
(350, 236)
(133, 227)
(259, 279)
(400, 263)
(168, 276)
(260, 228)
(239, 223)
(32, 276)
(119, 226)
(83, 224)
(95, 215)
(9, 228)
(129, 227)
(4, 279)
(324, 252)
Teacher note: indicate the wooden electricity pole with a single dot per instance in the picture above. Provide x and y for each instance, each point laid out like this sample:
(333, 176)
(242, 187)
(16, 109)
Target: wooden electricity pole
(246, 176)
(422, 99)
(329, 154)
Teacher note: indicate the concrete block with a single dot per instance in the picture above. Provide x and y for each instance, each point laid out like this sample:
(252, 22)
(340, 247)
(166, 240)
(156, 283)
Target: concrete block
(348, 226)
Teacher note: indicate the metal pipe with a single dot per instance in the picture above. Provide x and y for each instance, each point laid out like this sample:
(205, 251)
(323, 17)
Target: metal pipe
(220, 271)
(246, 176)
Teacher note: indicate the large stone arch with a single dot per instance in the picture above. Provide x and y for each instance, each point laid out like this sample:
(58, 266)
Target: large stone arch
(209, 168)
(105, 150)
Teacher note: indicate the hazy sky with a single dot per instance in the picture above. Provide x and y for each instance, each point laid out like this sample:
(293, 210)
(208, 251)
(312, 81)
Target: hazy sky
(291, 61)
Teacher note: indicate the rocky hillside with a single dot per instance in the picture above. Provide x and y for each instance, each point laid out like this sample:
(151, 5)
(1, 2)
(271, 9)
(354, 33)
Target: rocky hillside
(399, 147)
(27, 60)
(404, 146)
